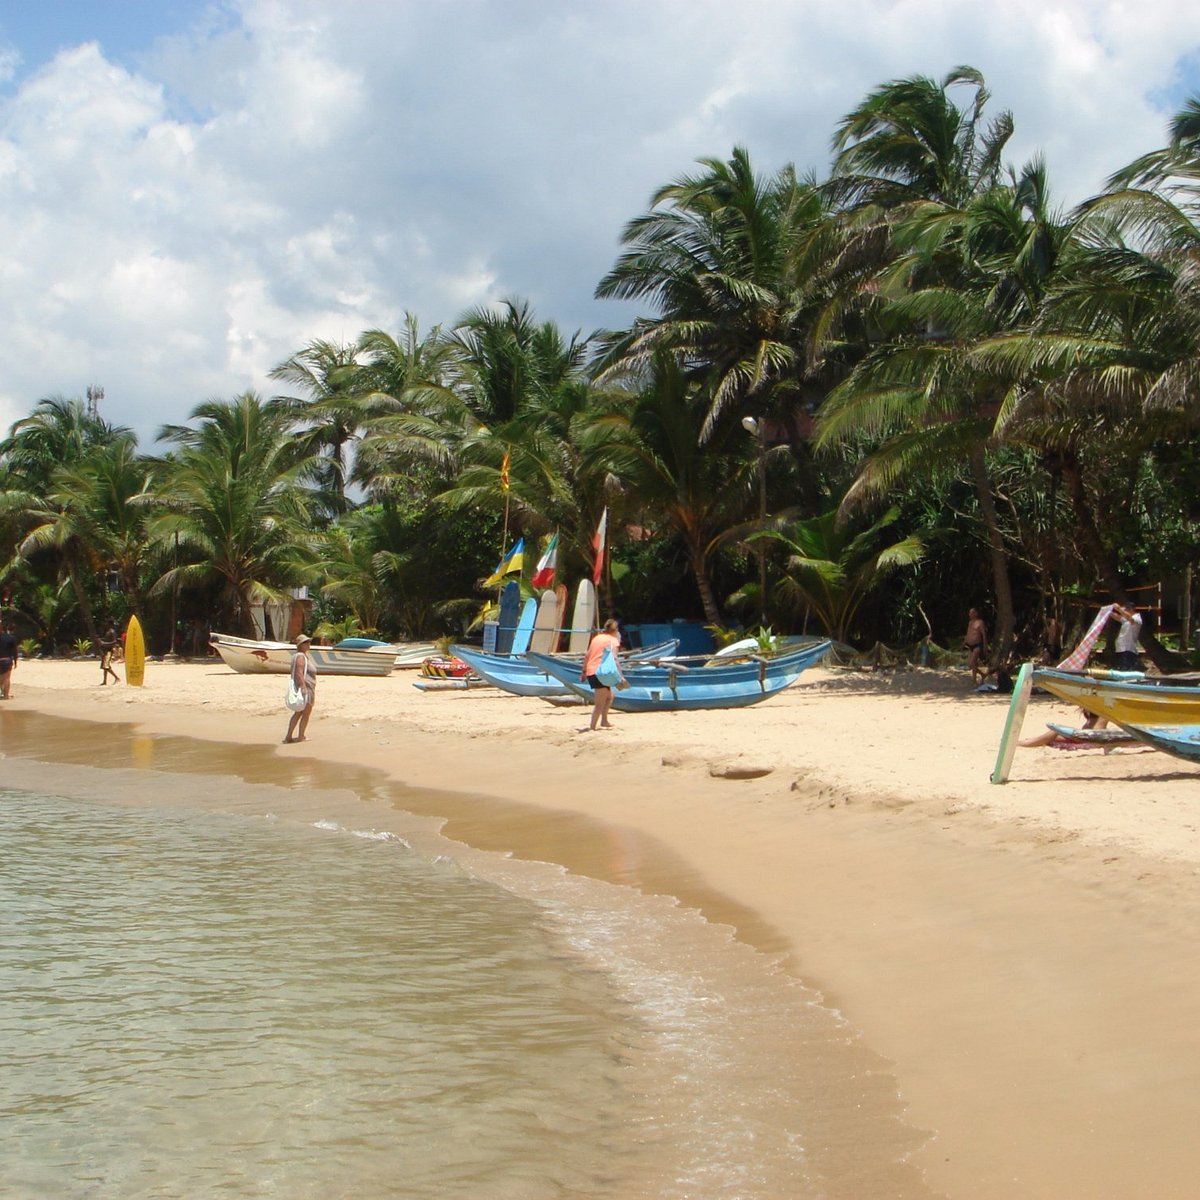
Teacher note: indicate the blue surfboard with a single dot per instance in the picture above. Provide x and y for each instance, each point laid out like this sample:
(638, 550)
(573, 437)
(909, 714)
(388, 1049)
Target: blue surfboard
(510, 604)
(525, 626)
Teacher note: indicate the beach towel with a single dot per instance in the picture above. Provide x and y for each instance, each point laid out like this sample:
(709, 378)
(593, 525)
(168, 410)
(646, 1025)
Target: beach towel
(1077, 659)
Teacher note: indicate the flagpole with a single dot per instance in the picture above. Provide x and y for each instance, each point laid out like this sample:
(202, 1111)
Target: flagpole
(503, 540)
(504, 535)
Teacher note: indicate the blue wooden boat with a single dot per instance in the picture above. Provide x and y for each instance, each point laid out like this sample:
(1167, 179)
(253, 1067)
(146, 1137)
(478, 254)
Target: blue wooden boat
(523, 678)
(1183, 741)
(1092, 737)
(694, 683)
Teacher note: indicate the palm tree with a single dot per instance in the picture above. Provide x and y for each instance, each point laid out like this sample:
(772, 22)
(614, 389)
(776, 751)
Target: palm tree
(749, 277)
(235, 495)
(1113, 358)
(413, 407)
(529, 402)
(59, 523)
(909, 143)
(970, 256)
(513, 362)
(332, 411)
(833, 564)
(58, 432)
(112, 491)
(672, 483)
(59, 436)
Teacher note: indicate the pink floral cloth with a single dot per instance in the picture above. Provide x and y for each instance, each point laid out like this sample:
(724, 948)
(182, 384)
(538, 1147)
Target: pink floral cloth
(1077, 659)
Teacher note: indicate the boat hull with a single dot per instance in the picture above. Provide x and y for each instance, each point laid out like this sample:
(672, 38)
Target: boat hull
(684, 684)
(275, 658)
(1182, 741)
(1143, 703)
(523, 678)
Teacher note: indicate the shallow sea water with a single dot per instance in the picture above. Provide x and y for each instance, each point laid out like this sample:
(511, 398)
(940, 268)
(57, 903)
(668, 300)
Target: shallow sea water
(239, 1003)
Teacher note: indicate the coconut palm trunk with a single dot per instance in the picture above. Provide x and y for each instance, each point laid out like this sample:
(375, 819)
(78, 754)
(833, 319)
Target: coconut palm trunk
(698, 561)
(1003, 639)
(81, 596)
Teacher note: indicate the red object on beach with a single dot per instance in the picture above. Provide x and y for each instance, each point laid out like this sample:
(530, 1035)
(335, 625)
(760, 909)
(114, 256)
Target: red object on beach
(445, 668)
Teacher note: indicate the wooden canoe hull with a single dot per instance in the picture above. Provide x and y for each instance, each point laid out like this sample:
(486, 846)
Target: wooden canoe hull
(275, 658)
(681, 684)
(1144, 703)
(523, 678)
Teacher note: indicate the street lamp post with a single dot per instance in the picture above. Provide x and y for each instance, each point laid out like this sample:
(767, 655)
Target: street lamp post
(758, 430)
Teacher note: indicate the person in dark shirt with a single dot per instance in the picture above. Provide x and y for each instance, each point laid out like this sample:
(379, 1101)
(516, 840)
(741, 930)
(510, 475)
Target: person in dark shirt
(108, 646)
(8, 659)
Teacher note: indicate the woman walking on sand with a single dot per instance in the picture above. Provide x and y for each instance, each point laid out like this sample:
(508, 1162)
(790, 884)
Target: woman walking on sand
(304, 679)
(608, 638)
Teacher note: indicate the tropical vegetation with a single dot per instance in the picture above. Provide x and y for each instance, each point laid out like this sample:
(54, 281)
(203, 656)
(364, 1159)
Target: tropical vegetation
(857, 402)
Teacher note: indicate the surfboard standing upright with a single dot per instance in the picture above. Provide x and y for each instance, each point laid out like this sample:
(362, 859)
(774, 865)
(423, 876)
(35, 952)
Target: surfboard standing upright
(510, 607)
(583, 619)
(545, 632)
(135, 654)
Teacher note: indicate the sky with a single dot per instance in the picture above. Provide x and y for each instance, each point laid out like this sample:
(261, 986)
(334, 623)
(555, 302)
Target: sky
(191, 192)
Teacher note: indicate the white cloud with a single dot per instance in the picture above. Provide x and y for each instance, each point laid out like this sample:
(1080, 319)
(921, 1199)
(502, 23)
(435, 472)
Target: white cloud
(297, 169)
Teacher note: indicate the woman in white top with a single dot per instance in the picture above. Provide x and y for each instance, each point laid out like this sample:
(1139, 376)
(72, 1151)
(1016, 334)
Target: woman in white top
(304, 678)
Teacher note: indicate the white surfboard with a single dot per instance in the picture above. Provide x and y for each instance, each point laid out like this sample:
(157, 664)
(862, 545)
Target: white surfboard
(583, 619)
(1012, 723)
(545, 625)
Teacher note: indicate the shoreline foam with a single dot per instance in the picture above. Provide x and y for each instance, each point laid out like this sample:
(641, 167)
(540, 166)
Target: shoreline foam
(1021, 954)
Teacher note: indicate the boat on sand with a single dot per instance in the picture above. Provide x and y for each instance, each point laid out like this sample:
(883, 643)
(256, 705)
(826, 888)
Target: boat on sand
(1162, 711)
(249, 657)
(523, 678)
(693, 683)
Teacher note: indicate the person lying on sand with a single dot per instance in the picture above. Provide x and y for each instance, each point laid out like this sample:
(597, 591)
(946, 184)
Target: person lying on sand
(1053, 738)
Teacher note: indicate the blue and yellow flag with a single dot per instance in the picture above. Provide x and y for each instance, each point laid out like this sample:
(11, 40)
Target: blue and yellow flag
(514, 560)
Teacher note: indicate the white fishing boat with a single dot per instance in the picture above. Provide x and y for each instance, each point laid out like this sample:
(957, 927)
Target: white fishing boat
(249, 657)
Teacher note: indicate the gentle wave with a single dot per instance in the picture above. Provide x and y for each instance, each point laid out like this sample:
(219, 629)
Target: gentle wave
(197, 1006)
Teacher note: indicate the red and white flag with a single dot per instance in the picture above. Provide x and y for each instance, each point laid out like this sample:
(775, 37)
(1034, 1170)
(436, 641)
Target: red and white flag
(543, 577)
(598, 547)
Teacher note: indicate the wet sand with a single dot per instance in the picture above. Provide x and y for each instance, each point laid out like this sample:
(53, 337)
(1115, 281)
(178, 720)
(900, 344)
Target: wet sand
(1020, 955)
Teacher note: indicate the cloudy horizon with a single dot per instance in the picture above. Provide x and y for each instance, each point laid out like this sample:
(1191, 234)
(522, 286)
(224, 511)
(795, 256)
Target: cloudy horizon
(190, 200)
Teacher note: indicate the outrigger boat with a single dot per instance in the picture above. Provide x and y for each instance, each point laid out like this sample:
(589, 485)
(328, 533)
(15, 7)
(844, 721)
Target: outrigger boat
(249, 657)
(523, 678)
(408, 654)
(694, 683)
(1161, 710)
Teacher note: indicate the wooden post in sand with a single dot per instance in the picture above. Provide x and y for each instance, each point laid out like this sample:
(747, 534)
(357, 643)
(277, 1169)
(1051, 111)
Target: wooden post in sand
(1013, 723)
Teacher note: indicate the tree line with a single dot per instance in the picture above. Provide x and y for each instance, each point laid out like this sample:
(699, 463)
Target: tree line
(856, 404)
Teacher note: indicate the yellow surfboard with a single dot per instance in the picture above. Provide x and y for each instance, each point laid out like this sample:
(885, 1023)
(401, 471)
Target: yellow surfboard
(135, 654)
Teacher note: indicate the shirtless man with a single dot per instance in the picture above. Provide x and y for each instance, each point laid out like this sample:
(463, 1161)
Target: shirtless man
(975, 644)
(8, 659)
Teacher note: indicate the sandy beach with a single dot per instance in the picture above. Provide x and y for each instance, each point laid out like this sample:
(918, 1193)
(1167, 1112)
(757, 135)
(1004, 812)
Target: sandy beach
(1018, 954)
